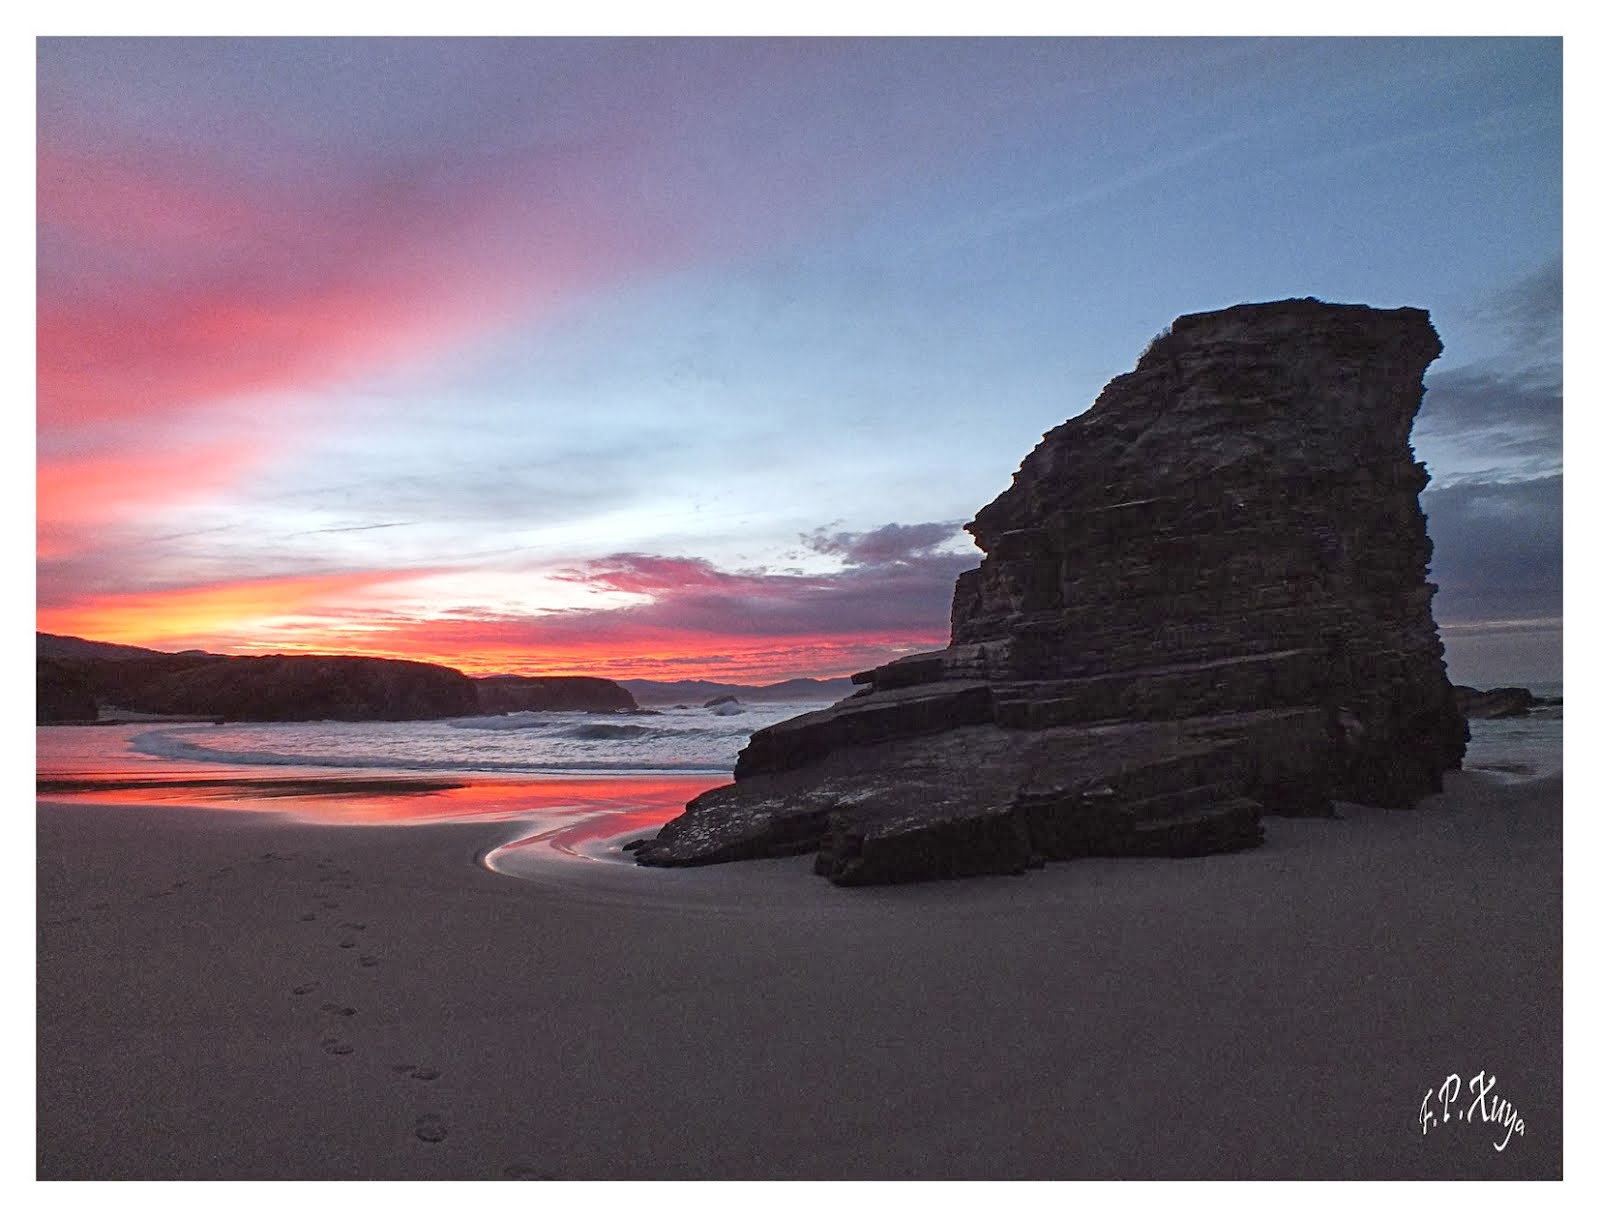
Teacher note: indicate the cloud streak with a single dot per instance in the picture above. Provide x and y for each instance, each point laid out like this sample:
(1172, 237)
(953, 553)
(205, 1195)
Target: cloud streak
(687, 616)
(1505, 410)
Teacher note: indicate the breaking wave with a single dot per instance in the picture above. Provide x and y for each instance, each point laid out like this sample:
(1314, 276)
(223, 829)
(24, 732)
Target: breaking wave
(689, 741)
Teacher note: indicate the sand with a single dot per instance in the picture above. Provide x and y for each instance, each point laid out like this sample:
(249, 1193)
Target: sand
(228, 995)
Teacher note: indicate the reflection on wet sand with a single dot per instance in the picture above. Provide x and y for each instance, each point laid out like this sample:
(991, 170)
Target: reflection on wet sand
(570, 817)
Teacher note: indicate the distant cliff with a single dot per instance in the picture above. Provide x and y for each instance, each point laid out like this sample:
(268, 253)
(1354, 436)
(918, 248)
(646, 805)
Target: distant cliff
(76, 676)
(501, 695)
(698, 693)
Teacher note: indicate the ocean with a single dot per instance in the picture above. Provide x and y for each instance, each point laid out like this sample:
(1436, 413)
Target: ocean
(577, 785)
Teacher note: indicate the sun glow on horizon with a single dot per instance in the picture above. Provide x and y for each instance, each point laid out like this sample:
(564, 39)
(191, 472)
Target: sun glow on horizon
(360, 614)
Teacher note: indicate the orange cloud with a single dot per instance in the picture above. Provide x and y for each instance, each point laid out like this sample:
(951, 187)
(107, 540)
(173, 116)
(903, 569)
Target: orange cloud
(542, 647)
(238, 615)
(695, 620)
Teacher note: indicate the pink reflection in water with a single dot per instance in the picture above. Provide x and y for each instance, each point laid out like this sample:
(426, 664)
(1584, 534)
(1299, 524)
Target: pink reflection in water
(572, 817)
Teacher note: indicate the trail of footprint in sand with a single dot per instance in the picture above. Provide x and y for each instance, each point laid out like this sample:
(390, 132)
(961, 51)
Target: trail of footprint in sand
(430, 1126)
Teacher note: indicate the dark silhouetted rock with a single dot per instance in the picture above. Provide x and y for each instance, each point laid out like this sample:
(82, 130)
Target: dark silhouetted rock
(63, 696)
(293, 688)
(286, 688)
(278, 688)
(1506, 702)
(70, 647)
(1204, 599)
(685, 693)
(501, 695)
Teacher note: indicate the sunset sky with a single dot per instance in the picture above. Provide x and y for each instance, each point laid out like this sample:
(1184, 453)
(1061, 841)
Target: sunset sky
(672, 358)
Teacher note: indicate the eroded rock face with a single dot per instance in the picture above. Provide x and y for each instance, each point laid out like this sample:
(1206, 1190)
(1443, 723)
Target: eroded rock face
(1203, 599)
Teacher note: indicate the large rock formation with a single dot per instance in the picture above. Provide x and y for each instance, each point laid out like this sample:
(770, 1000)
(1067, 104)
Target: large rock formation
(1203, 599)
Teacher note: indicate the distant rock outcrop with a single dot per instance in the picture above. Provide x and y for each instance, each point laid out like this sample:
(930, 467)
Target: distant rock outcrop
(1505, 702)
(284, 688)
(290, 688)
(1203, 599)
(501, 695)
(799, 689)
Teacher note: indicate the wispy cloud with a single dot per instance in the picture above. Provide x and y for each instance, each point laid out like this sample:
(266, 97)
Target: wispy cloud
(1503, 413)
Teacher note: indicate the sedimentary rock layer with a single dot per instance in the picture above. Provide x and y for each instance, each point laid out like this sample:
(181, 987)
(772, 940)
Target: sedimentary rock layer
(1203, 599)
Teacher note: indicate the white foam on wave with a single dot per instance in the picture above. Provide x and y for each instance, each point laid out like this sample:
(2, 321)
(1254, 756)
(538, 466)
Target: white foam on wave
(688, 742)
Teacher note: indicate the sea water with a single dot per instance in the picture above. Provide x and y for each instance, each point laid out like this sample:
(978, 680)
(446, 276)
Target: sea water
(581, 783)
(687, 740)
(1521, 747)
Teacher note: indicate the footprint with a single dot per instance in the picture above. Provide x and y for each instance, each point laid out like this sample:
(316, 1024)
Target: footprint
(305, 989)
(431, 1127)
(308, 917)
(333, 1008)
(352, 926)
(403, 1067)
(368, 961)
(334, 1045)
(426, 1073)
(347, 942)
(522, 1171)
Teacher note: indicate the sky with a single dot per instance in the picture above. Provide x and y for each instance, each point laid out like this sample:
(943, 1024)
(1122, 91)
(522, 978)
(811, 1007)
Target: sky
(679, 358)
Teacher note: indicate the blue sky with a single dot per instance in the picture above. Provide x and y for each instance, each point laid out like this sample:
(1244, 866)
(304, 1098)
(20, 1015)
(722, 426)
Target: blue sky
(690, 357)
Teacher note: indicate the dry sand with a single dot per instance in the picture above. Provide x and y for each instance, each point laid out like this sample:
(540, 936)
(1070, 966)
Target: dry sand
(238, 996)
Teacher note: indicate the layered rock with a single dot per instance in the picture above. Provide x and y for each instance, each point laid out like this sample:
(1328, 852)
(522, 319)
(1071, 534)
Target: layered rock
(1203, 599)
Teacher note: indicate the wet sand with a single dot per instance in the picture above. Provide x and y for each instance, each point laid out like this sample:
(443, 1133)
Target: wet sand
(235, 995)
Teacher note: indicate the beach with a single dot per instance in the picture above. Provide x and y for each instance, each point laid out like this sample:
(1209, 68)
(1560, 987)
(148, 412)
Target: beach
(241, 995)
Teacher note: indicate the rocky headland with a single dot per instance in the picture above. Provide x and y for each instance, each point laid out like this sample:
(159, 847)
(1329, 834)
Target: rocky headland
(1203, 600)
(77, 677)
(504, 695)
